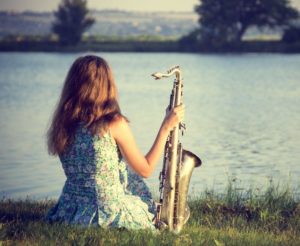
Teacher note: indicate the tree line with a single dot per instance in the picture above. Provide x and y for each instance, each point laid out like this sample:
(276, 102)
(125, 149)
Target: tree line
(224, 23)
(220, 22)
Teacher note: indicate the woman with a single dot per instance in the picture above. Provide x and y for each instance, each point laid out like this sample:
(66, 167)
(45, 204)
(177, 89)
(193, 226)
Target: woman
(91, 136)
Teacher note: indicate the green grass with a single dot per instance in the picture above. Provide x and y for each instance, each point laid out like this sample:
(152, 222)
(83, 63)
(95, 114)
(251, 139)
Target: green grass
(142, 43)
(240, 217)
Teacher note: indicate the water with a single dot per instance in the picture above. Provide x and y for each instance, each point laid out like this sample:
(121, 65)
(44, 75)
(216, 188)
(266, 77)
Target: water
(242, 116)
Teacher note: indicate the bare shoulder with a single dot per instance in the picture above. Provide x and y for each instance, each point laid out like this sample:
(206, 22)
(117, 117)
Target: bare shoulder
(118, 126)
(117, 122)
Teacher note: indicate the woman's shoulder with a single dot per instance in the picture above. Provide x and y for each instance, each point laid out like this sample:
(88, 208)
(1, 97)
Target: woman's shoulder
(118, 126)
(118, 120)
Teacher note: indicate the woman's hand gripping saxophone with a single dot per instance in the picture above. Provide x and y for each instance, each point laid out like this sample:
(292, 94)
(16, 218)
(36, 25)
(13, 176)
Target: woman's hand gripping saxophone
(173, 117)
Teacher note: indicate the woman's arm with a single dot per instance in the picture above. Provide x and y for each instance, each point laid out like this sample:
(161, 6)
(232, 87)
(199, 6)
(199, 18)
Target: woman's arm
(144, 165)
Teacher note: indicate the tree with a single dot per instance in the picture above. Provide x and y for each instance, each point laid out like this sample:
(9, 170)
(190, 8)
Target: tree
(291, 34)
(226, 21)
(71, 21)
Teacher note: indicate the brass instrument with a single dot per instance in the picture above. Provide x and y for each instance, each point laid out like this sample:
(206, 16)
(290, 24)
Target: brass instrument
(178, 164)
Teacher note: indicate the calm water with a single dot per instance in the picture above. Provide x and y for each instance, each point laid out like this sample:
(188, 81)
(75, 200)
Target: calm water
(242, 116)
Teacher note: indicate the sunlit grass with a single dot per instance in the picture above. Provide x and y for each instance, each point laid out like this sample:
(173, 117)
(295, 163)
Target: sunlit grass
(239, 217)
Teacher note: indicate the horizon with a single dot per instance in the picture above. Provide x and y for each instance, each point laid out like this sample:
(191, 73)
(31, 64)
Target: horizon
(100, 10)
(129, 5)
(116, 5)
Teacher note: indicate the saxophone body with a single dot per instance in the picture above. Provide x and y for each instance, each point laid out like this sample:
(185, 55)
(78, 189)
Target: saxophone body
(178, 165)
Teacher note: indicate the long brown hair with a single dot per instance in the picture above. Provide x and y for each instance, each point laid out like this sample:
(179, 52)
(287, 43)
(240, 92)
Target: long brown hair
(89, 96)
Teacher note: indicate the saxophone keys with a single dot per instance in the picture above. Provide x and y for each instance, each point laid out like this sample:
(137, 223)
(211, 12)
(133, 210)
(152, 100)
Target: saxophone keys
(182, 128)
(182, 125)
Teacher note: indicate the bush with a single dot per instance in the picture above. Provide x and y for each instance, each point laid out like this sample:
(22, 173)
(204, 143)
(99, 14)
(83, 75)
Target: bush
(291, 35)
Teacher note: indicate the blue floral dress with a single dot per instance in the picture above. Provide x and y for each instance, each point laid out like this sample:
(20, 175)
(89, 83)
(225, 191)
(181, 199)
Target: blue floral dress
(100, 188)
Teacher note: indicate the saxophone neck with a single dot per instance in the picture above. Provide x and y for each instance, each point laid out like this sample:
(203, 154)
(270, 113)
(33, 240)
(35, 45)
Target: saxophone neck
(173, 70)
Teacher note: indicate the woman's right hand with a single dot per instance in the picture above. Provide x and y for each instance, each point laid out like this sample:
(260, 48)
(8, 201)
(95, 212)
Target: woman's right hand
(173, 117)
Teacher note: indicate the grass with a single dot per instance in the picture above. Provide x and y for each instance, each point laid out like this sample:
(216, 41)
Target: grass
(104, 45)
(143, 43)
(236, 218)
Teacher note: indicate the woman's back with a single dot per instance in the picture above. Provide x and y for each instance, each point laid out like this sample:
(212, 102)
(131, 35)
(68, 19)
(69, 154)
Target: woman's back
(92, 161)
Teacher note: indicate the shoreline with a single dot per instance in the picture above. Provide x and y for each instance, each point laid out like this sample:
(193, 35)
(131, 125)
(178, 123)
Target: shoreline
(149, 46)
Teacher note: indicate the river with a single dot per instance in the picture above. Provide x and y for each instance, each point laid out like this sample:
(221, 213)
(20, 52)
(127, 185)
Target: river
(242, 116)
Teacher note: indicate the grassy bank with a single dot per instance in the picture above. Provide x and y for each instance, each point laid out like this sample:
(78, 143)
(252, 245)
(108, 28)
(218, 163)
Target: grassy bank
(236, 218)
(96, 46)
(146, 45)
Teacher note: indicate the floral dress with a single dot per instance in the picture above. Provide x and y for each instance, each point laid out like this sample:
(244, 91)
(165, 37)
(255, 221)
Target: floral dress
(100, 188)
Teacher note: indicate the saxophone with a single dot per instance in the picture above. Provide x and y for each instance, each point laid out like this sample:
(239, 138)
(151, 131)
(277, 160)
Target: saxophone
(178, 164)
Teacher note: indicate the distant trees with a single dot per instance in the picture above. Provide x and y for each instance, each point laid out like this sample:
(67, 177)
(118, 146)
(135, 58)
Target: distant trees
(291, 34)
(71, 21)
(223, 22)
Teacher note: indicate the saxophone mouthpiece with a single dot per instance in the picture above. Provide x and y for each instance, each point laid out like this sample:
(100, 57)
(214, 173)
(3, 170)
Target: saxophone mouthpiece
(157, 75)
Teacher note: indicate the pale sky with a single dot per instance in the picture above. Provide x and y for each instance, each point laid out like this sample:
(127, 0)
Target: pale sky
(138, 5)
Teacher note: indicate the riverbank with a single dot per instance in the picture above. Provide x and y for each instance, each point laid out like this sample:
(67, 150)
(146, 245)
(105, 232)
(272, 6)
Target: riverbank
(96, 46)
(132, 45)
(236, 218)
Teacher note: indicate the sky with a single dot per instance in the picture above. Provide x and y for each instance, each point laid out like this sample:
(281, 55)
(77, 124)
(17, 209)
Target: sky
(139, 5)
(135, 5)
